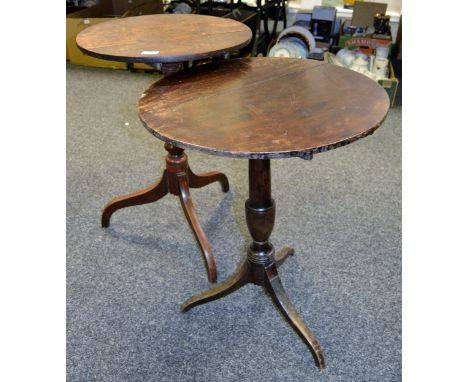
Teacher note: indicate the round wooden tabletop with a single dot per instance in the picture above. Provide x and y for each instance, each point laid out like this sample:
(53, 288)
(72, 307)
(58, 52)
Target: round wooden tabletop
(262, 108)
(163, 38)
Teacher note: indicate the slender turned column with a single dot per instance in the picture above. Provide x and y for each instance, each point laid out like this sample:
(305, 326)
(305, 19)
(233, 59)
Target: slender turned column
(177, 163)
(260, 212)
(260, 267)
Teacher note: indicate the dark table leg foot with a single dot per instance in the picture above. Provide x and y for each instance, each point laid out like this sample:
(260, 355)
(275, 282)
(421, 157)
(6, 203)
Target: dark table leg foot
(282, 255)
(148, 195)
(236, 281)
(202, 180)
(189, 210)
(275, 289)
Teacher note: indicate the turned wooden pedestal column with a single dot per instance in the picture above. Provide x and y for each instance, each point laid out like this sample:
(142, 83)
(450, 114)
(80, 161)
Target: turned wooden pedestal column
(260, 267)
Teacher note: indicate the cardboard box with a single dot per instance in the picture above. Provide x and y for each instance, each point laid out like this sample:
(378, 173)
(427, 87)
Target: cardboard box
(390, 85)
(366, 44)
(105, 11)
(364, 12)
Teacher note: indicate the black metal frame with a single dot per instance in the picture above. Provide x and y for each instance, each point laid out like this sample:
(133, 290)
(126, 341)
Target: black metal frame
(270, 9)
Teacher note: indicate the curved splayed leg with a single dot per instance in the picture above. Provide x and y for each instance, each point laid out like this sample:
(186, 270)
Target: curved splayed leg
(202, 180)
(148, 195)
(275, 289)
(236, 281)
(282, 255)
(189, 210)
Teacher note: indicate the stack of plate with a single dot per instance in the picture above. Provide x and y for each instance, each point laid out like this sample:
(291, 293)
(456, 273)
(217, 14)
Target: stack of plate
(293, 42)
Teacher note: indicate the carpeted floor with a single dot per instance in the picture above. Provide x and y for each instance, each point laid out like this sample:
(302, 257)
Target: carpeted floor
(341, 212)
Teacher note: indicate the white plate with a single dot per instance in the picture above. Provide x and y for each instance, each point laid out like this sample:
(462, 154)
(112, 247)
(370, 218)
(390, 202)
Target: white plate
(298, 30)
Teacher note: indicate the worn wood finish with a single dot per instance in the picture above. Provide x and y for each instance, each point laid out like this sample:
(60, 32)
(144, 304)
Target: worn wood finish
(176, 179)
(264, 108)
(165, 42)
(260, 267)
(175, 38)
(259, 109)
(148, 195)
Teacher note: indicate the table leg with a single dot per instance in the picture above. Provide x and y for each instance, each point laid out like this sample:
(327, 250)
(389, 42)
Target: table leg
(202, 180)
(177, 179)
(282, 255)
(148, 195)
(191, 216)
(280, 298)
(236, 281)
(260, 267)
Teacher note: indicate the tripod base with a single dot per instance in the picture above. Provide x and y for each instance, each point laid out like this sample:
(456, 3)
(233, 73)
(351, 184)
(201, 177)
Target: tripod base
(260, 267)
(265, 275)
(177, 179)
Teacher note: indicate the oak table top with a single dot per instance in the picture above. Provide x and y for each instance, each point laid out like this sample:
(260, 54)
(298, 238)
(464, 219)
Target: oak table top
(261, 108)
(163, 38)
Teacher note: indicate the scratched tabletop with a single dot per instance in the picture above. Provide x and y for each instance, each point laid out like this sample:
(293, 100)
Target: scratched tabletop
(264, 108)
(163, 38)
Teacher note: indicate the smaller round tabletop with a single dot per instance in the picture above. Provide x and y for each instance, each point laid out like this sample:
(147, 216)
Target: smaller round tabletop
(262, 108)
(163, 38)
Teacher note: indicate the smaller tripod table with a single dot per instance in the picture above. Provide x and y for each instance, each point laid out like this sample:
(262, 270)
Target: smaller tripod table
(165, 42)
(262, 108)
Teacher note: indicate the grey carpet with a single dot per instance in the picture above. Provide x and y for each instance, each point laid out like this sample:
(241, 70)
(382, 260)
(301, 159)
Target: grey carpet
(341, 212)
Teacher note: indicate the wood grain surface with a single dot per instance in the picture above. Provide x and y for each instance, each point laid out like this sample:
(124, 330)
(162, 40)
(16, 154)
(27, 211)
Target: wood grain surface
(163, 38)
(262, 108)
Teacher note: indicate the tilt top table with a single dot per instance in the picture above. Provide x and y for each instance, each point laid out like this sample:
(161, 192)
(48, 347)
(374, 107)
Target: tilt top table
(165, 42)
(262, 108)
